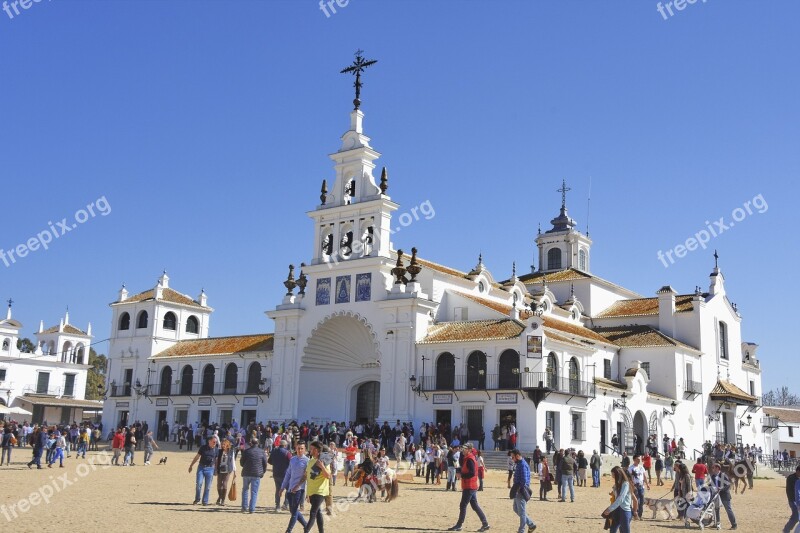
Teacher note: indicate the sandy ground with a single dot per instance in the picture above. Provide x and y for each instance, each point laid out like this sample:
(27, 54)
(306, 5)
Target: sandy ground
(88, 496)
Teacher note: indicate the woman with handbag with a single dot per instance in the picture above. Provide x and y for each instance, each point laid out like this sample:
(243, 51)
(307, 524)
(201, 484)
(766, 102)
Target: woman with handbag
(620, 511)
(545, 479)
(226, 471)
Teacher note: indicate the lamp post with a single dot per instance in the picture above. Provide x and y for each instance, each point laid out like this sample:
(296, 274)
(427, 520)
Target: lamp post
(668, 412)
(749, 421)
(623, 403)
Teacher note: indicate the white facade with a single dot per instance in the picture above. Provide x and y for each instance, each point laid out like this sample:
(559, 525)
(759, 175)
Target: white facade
(358, 329)
(786, 429)
(51, 381)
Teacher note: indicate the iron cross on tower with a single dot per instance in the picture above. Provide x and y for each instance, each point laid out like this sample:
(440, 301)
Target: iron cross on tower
(563, 190)
(358, 66)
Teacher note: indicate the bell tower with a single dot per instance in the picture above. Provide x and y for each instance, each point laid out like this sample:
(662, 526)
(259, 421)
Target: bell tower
(353, 218)
(563, 246)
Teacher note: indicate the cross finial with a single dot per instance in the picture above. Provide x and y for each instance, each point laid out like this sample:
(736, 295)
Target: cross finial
(358, 66)
(10, 303)
(716, 259)
(514, 269)
(563, 190)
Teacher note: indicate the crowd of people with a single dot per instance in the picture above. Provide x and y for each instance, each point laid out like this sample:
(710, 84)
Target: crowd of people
(49, 443)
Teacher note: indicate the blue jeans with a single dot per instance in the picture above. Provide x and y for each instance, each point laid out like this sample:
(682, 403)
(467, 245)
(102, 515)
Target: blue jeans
(470, 497)
(595, 477)
(250, 486)
(58, 455)
(640, 496)
(520, 507)
(793, 520)
(295, 499)
(5, 455)
(205, 473)
(623, 524)
(567, 480)
(278, 483)
(451, 474)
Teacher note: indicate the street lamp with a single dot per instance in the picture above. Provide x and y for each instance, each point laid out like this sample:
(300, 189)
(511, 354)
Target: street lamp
(749, 421)
(621, 404)
(670, 413)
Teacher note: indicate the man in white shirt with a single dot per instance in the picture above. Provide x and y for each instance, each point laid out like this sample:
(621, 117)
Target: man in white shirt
(639, 477)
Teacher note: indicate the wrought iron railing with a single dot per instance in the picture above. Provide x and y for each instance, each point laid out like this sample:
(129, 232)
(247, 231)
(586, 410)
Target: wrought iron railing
(205, 388)
(693, 386)
(522, 380)
(35, 389)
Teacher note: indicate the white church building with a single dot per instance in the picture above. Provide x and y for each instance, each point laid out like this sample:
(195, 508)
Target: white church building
(367, 332)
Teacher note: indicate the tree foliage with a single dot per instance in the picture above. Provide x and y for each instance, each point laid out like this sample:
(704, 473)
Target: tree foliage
(96, 378)
(780, 397)
(26, 346)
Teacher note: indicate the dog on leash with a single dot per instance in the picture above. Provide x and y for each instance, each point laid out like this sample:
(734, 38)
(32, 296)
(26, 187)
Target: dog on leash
(162, 461)
(666, 505)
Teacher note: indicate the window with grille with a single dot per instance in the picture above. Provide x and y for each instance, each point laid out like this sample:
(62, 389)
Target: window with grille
(607, 368)
(646, 368)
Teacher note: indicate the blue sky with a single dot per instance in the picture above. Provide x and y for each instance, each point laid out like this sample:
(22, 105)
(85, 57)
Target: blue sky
(206, 126)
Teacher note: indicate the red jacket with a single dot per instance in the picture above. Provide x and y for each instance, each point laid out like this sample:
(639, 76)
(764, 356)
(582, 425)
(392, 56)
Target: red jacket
(118, 442)
(469, 472)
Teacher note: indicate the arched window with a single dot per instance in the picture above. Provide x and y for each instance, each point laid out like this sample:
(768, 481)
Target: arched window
(67, 354)
(231, 377)
(574, 376)
(80, 353)
(166, 381)
(552, 371)
(192, 325)
(508, 370)
(6, 345)
(170, 321)
(582, 260)
(187, 375)
(208, 380)
(445, 372)
(253, 378)
(476, 370)
(723, 340)
(554, 259)
(141, 320)
(51, 348)
(125, 322)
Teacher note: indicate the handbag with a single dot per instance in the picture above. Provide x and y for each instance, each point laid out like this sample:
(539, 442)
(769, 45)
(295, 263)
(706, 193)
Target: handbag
(525, 491)
(232, 492)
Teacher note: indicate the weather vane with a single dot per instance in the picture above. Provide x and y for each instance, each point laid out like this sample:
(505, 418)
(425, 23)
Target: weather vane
(358, 66)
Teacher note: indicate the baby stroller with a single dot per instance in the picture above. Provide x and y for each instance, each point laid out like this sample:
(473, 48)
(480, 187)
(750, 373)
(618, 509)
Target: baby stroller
(702, 511)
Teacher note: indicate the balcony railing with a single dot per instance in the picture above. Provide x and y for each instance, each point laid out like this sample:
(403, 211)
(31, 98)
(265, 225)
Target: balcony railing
(521, 381)
(203, 388)
(34, 389)
(769, 423)
(693, 387)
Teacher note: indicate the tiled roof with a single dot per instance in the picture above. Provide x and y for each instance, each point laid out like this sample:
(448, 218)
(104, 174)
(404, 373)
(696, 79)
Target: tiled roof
(788, 415)
(645, 306)
(552, 335)
(221, 346)
(168, 295)
(657, 396)
(475, 330)
(725, 390)
(441, 268)
(569, 274)
(68, 328)
(501, 308)
(610, 384)
(49, 401)
(575, 329)
(638, 336)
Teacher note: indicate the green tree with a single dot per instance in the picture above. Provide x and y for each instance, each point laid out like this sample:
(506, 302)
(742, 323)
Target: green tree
(26, 346)
(96, 379)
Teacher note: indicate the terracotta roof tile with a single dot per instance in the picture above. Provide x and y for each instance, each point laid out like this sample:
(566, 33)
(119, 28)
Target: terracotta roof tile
(636, 336)
(474, 330)
(440, 268)
(725, 390)
(788, 415)
(575, 329)
(610, 384)
(68, 328)
(552, 335)
(220, 346)
(569, 274)
(645, 306)
(168, 295)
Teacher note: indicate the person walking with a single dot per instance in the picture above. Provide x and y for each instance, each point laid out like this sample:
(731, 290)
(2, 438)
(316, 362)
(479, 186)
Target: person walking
(317, 478)
(596, 462)
(39, 445)
(639, 479)
(207, 457)
(721, 484)
(481, 469)
(226, 470)
(58, 452)
(620, 510)
(254, 465)
(294, 482)
(659, 471)
(451, 469)
(469, 488)
(700, 471)
(583, 463)
(682, 487)
(149, 443)
(521, 491)
(545, 481)
(279, 458)
(568, 466)
(791, 481)
(130, 447)
(7, 441)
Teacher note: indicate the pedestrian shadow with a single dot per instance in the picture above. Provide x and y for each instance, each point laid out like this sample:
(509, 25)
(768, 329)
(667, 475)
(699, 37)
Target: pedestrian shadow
(162, 503)
(402, 528)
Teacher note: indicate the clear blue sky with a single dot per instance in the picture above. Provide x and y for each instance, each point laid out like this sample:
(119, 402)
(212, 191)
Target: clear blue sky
(206, 125)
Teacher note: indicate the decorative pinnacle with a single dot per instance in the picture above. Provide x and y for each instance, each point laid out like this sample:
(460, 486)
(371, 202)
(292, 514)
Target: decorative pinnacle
(302, 280)
(290, 283)
(384, 181)
(359, 65)
(413, 267)
(324, 192)
(716, 259)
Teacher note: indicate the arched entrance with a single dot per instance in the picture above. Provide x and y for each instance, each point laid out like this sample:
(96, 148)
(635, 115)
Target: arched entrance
(368, 401)
(639, 432)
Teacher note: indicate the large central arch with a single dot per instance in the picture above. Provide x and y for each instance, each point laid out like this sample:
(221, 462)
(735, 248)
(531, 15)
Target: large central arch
(343, 341)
